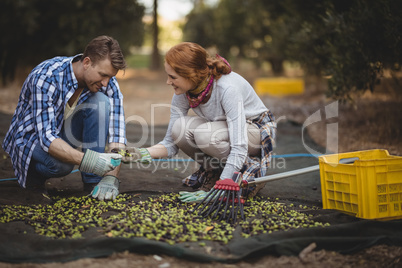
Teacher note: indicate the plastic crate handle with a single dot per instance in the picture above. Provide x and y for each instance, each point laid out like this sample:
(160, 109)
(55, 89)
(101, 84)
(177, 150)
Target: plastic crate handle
(349, 160)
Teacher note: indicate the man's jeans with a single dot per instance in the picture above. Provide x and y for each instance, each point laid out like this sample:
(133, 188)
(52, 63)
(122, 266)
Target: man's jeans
(88, 128)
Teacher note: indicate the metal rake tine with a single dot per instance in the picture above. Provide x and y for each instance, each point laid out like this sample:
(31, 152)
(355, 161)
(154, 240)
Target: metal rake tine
(226, 206)
(232, 210)
(236, 192)
(241, 205)
(210, 211)
(215, 209)
(203, 200)
(220, 204)
(213, 193)
(211, 208)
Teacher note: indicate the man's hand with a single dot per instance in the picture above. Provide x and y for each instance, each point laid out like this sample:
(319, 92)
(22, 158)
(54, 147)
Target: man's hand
(107, 188)
(99, 163)
(133, 154)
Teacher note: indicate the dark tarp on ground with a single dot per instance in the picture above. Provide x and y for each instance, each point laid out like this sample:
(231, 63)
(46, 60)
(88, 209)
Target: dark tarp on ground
(344, 238)
(345, 235)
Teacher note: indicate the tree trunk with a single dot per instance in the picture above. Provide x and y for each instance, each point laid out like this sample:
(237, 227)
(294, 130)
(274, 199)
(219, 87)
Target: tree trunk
(155, 60)
(277, 66)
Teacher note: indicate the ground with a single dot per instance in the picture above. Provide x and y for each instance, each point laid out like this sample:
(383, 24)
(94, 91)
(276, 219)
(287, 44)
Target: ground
(373, 121)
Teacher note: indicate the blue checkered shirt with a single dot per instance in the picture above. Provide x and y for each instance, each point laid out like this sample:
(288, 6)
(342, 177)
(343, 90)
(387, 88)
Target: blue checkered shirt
(38, 118)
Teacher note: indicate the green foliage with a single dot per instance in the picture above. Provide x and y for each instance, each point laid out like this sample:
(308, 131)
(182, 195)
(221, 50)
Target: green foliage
(34, 30)
(137, 61)
(200, 26)
(349, 41)
(238, 27)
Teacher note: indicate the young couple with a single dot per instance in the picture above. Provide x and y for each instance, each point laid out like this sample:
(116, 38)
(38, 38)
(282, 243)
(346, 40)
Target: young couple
(71, 108)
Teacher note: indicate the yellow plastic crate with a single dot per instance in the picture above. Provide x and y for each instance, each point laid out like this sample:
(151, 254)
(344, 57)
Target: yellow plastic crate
(279, 86)
(370, 188)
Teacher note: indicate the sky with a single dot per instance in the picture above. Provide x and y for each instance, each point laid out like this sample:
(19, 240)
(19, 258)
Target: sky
(171, 9)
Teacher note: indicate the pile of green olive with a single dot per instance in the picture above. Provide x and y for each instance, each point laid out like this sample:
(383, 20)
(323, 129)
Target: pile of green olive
(161, 218)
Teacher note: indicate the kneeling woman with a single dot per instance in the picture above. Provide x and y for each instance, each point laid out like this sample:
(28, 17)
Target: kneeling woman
(232, 130)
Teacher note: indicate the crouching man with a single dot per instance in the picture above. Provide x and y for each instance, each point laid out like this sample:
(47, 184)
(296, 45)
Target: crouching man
(68, 109)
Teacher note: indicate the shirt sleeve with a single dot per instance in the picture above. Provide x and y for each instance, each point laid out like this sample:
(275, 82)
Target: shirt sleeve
(179, 108)
(117, 126)
(233, 106)
(43, 103)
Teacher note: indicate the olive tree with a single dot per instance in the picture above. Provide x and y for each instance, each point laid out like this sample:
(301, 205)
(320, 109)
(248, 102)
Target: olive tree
(349, 41)
(33, 30)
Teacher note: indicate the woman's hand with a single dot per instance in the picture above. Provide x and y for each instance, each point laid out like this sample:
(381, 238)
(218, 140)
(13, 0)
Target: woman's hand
(133, 154)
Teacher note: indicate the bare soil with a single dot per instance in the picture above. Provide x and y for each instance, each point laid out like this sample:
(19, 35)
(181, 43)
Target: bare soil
(373, 121)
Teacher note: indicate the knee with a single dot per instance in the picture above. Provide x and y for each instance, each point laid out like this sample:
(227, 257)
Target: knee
(180, 127)
(100, 103)
(98, 97)
(202, 139)
(60, 169)
(213, 140)
(177, 129)
(207, 135)
(212, 145)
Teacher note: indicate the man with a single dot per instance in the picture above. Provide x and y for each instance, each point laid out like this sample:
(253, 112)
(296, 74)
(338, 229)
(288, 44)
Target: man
(67, 103)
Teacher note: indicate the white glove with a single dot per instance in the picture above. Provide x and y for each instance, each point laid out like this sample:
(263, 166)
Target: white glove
(99, 163)
(107, 188)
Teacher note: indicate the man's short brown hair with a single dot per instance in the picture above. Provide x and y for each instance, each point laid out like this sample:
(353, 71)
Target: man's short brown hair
(102, 47)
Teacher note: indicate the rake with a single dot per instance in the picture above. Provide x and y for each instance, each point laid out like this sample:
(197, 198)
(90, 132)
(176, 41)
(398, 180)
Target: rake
(225, 200)
(226, 197)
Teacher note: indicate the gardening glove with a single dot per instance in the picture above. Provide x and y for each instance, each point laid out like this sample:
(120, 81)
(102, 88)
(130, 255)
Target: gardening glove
(107, 188)
(128, 154)
(145, 156)
(134, 154)
(198, 196)
(192, 197)
(99, 163)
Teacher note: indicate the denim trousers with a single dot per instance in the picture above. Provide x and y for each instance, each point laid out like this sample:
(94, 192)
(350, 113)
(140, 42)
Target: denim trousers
(87, 128)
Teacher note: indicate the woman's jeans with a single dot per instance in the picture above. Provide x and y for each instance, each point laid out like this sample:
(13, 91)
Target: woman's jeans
(88, 128)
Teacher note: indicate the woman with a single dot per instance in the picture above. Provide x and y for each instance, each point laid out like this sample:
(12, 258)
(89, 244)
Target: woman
(232, 130)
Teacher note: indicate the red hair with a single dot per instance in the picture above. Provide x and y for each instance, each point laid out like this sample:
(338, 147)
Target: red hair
(193, 62)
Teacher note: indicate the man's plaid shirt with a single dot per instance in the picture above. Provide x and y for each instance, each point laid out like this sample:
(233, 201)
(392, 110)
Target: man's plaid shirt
(38, 118)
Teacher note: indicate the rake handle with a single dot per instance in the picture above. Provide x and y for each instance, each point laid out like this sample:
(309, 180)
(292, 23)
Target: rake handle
(283, 175)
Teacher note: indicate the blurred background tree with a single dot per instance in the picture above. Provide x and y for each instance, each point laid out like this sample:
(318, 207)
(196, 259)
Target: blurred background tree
(34, 30)
(349, 42)
(155, 60)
